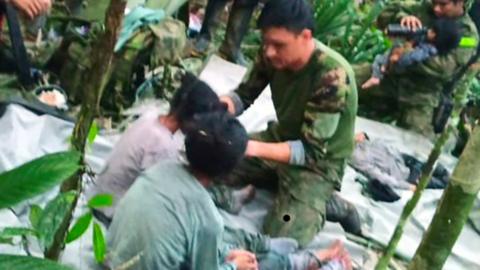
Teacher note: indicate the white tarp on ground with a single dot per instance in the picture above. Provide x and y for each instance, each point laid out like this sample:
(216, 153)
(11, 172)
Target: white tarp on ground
(24, 136)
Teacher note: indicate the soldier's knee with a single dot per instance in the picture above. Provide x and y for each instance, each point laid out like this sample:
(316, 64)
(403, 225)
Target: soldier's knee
(296, 220)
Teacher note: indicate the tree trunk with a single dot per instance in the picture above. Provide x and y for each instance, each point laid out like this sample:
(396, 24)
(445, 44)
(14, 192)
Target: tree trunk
(95, 80)
(462, 89)
(453, 210)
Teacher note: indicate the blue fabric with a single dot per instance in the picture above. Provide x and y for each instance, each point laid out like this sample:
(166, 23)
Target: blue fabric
(137, 18)
(420, 53)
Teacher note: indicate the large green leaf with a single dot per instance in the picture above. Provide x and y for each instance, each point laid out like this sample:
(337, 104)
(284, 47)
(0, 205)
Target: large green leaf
(16, 231)
(36, 177)
(35, 214)
(79, 228)
(101, 200)
(99, 244)
(13, 262)
(92, 133)
(52, 217)
(8, 233)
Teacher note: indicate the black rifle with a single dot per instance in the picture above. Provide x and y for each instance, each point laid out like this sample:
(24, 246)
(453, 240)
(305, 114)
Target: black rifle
(442, 112)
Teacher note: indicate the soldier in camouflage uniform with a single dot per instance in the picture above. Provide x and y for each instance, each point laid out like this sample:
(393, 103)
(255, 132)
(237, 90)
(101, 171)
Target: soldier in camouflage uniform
(237, 27)
(315, 98)
(410, 96)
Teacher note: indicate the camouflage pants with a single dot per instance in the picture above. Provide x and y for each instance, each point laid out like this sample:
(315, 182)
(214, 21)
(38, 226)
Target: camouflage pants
(238, 23)
(299, 207)
(389, 102)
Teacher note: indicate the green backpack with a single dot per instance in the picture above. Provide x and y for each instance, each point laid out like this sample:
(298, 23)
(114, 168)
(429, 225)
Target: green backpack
(151, 46)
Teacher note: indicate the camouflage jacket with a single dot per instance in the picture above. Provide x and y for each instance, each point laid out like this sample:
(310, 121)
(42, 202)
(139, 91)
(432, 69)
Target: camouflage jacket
(316, 105)
(422, 83)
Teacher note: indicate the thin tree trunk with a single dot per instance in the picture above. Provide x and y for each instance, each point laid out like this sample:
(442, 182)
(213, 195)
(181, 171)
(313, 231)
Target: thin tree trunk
(95, 80)
(462, 89)
(453, 210)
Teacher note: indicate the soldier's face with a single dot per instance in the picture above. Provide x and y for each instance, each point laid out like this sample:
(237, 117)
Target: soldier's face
(283, 48)
(447, 8)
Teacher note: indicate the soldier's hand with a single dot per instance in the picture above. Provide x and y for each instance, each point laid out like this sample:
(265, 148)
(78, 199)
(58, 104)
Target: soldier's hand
(32, 8)
(411, 22)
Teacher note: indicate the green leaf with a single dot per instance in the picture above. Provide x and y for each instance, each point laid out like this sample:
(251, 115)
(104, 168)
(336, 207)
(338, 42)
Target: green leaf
(6, 240)
(13, 262)
(101, 200)
(92, 133)
(99, 245)
(9, 232)
(35, 213)
(37, 177)
(79, 228)
(52, 217)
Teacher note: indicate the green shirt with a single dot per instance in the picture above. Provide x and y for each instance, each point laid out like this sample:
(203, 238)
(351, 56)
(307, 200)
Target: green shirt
(316, 104)
(167, 220)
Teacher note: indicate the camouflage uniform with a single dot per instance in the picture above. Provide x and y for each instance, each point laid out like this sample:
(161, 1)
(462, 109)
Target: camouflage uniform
(237, 26)
(410, 96)
(317, 106)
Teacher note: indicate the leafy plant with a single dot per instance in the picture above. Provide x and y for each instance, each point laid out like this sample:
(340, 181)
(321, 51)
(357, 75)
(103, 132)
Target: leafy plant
(82, 224)
(99, 244)
(52, 216)
(37, 176)
(349, 29)
(13, 262)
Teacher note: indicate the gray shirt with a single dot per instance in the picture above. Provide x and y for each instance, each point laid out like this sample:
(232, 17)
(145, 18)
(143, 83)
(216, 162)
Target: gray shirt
(144, 143)
(376, 160)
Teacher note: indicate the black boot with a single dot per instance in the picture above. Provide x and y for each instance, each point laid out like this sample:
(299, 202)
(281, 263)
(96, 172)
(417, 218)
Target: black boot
(237, 27)
(343, 212)
(211, 20)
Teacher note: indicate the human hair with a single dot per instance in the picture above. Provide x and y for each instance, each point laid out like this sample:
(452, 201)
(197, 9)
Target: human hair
(215, 143)
(193, 97)
(294, 15)
(447, 35)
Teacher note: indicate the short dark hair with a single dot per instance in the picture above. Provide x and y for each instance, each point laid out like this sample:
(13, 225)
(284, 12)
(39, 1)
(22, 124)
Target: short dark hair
(294, 15)
(215, 143)
(194, 96)
(447, 35)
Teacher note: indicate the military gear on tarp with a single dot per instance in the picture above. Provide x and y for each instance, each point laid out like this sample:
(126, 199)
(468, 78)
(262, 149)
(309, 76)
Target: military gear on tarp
(137, 18)
(152, 45)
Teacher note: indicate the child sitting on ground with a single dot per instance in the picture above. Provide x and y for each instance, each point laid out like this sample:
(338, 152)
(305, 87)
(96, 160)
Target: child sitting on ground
(440, 39)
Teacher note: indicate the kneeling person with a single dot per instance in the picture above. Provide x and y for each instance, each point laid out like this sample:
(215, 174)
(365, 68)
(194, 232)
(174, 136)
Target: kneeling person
(167, 219)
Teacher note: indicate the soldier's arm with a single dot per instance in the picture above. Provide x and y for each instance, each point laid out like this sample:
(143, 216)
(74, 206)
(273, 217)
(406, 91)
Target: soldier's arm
(442, 67)
(279, 152)
(323, 112)
(32, 8)
(249, 90)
